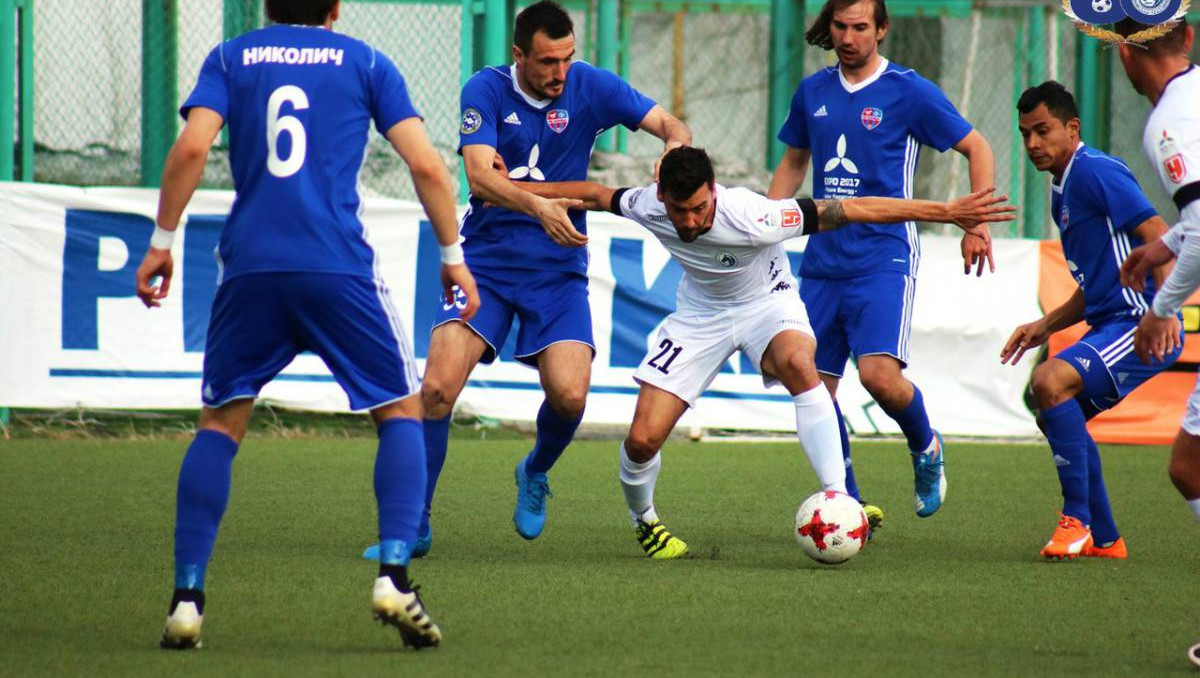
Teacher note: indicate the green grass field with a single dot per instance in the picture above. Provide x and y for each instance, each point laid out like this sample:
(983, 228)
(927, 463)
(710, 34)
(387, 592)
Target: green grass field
(85, 568)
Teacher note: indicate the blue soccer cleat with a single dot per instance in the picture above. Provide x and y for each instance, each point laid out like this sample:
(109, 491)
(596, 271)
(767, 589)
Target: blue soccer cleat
(529, 516)
(421, 547)
(929, 478)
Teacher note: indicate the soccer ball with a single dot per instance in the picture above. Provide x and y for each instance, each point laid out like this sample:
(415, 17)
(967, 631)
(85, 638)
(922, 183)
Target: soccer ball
(831, 527)
(1102, 6)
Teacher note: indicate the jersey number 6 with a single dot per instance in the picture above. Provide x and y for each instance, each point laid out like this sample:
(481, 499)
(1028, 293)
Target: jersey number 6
(276, 125)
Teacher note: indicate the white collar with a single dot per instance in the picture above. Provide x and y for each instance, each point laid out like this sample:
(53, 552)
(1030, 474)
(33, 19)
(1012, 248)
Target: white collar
(1057, 186)
(852, 88)
(536, 103)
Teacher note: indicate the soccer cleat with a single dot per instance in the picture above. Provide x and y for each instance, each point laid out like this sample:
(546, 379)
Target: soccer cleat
(403, 609)
(183, 627)
(1114, 550)
(929, 479)
(529, 516)
(874, 518)
(421, 547)
(658, 543)
(1071, 539)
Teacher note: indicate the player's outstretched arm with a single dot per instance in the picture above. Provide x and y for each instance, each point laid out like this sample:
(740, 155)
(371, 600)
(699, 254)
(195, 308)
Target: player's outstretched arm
(1151, 232)
(981, 165)
(968, 212)
(181, 175)
(436, 193)
(494, 188)
(1034, 334)
(789, 175)
(588, 194)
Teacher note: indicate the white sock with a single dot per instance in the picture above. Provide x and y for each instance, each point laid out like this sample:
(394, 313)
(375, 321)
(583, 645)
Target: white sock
(1194, 504)
(817, 429)
(637, 480)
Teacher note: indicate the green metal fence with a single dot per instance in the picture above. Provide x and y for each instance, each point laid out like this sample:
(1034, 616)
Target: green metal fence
(110, 74)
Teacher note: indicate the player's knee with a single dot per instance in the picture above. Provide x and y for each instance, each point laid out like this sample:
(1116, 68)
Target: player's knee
(799, 372)
(642, 445)
(1185, 474)
(885, 386)
(437, 399)
(1048, 389)
(569, 403)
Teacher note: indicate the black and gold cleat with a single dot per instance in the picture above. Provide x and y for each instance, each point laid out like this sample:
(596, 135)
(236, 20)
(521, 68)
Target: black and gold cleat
(403, 609)
(658, 543)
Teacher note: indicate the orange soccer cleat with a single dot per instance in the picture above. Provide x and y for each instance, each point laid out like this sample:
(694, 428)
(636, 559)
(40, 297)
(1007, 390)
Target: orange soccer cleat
(1114, 550)
(1071, 539)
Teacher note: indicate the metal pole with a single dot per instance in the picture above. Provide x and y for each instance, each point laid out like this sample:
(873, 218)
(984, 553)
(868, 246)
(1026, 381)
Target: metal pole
(607, 45)
(626, 11)
(1016, 158)
(1035, 182)
(495, 30)
(160, 38)
(1085, 88)
(785, 70)
(466, 68)
(8, 43)
(26, 93)
(241, 16)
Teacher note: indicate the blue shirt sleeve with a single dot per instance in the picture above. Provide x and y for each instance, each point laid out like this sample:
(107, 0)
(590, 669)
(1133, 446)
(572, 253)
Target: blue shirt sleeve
(614, 101)
(480, 113)
(212, 86)
(935, 121)
(794, 132)
(390, 101)
(1116, 192)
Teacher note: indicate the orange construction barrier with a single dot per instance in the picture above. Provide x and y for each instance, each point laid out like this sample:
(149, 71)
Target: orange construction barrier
(1152, 413)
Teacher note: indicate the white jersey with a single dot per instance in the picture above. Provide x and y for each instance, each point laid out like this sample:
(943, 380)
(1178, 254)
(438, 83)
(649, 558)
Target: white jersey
(1172, 135)
(739, 261)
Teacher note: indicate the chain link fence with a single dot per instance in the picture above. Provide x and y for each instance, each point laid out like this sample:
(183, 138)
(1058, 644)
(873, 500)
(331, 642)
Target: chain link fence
(708, 63)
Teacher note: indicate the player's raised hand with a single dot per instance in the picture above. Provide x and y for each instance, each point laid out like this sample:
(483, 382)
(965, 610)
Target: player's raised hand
(1140, 261)
(156, 264)
(1026, 337)
(552, 213)
(981, 207)
(457, 279)
(1156, 337)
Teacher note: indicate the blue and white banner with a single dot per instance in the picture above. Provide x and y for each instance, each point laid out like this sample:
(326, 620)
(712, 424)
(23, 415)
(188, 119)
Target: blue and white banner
(74, 334)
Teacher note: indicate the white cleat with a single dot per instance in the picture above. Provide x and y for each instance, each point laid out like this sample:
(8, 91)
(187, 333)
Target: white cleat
(404, 610)
(183, 628)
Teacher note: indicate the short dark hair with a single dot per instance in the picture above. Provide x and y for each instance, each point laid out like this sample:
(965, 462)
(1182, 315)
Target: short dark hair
(683, 171)
(1059, 101)
(1172, 43)
(302, 12)
(546, 16)
(819, 34)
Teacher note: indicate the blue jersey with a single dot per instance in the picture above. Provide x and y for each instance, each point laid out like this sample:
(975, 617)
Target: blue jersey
(865, 139)
(1096, 206)
(539, 141)
(299, 102)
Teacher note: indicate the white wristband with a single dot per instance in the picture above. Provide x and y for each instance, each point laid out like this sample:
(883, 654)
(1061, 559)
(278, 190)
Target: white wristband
(162, 238)
(452, 254)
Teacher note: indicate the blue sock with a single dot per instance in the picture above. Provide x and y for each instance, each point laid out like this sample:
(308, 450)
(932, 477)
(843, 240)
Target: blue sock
(1066, 429)
(851, 484)
(399, 487)
(203, 494)
(553, 435)
(437, 440)
(1104, 528)
(914, 422)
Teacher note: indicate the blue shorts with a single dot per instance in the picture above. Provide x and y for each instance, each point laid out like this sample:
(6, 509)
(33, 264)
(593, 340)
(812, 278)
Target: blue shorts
(552, 307)
(260, 322)
(1110, 370)
(866, 315)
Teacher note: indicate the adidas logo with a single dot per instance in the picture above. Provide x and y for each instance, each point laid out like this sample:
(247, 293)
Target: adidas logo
(512, 119)
(1061, 461)
(1085, 363)
(821, 112)
(1121, 377)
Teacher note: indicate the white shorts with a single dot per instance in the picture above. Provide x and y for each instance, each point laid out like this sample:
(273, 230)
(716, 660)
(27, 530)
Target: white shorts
(690, 349)
(1191, 418)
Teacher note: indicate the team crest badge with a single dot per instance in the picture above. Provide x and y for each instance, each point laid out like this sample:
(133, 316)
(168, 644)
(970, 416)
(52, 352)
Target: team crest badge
(471, 121)
(871, 117)
(557, 120)
(725, 259)
(1092, 17)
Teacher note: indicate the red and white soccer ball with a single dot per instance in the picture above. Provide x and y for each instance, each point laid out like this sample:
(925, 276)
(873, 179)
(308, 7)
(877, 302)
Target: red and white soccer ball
(831, 527)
